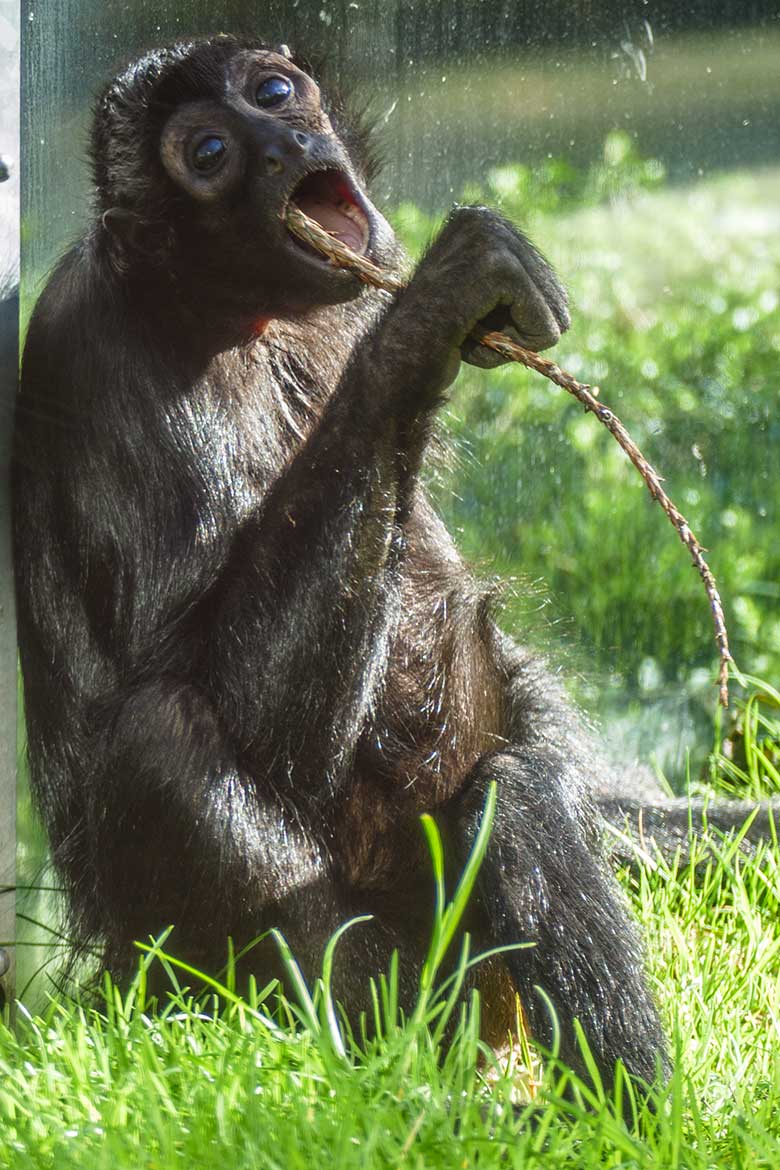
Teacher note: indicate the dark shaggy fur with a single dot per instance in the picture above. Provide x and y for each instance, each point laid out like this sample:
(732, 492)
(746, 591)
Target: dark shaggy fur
(252, 655)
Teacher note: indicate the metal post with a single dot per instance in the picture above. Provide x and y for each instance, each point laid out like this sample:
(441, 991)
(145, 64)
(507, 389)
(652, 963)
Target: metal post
(9, 361)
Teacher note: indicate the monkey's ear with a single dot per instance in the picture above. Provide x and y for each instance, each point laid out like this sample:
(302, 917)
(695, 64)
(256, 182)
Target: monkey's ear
(121, 223)
(135, 234)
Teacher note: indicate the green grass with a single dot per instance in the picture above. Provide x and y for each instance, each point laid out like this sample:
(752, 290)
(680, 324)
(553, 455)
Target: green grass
(273, 1082)
(745, 760)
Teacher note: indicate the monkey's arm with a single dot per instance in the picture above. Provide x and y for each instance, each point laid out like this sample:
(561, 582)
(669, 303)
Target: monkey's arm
(309, 592)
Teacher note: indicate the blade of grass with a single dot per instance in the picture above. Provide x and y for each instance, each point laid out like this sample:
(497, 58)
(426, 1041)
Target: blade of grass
(330, 1021)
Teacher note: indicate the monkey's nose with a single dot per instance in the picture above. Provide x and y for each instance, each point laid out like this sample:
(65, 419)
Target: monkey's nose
(274, 160)
(278, 155)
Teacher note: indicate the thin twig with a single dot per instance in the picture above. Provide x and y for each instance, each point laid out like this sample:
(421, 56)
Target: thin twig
(343, 257)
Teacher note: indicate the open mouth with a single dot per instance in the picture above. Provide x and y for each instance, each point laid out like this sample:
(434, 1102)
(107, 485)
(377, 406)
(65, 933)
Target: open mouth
(330, 199)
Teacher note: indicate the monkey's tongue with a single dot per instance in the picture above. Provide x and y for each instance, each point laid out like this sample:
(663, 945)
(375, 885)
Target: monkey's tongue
(335, 219)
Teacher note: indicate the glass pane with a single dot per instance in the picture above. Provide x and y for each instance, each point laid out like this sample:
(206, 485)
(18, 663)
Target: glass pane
(640, 147)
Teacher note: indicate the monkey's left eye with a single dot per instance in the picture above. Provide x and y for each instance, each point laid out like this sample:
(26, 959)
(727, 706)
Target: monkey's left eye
(273, 92)
(209, 154)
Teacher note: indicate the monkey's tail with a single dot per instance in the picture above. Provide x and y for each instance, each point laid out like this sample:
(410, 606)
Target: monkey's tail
(638, 831)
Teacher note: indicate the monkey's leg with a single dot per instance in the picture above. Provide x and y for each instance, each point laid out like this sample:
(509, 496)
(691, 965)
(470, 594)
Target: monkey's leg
(541, 883)
(177, 833)
(309, 918)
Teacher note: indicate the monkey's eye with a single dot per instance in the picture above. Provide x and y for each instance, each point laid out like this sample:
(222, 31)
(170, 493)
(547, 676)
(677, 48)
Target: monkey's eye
(273, 92)
(209, 154)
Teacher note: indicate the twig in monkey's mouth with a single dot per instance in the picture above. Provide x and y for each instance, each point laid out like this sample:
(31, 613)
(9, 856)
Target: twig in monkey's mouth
(328, 197)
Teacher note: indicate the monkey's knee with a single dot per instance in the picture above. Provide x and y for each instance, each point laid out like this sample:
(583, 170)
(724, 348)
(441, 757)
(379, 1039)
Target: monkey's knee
(537, 792)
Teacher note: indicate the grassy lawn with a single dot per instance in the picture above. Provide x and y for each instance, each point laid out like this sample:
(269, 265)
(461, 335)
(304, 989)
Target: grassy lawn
(121, 1087)
(676, 314)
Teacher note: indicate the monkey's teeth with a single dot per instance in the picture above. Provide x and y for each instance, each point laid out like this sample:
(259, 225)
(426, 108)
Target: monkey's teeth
(358, 219)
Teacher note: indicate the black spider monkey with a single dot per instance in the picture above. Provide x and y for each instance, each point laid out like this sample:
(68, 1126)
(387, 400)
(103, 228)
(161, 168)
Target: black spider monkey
(252, 655)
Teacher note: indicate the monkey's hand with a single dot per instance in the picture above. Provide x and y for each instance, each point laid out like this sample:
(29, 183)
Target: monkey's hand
(522, 296)
(481, 272)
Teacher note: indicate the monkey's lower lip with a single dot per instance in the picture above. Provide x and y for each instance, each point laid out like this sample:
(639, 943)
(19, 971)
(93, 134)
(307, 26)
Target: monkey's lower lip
(329, 198)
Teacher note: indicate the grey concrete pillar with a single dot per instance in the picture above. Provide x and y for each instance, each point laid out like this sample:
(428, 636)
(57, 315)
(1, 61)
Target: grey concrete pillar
(9, 347)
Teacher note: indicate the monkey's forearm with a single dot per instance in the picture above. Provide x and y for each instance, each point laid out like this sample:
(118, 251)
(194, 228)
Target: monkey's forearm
(308, 597)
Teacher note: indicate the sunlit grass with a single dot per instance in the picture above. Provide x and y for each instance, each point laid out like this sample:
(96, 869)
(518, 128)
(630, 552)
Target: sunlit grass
(746, 756)
(279, 1081)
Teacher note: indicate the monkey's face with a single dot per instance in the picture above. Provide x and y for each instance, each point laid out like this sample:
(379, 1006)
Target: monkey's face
(238, 161)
